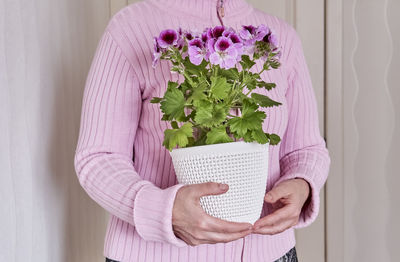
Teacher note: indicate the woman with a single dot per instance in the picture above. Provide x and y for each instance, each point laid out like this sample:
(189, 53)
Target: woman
(121, 163)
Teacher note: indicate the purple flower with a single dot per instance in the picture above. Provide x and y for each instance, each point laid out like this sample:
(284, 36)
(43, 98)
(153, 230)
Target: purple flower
(247, 31)
(156, 53)
(168, 38)
(234, 38)
(237, 43)
(249, 50)
(210, 48)
(189, 36)
(204, 37)
(251, 34)
(222, 44)
(181, 43)
(225, 54)
(217, 31)
(273, 41)
(219, 45)
(211, 44)
(262, 31)
(196, 51)
(228, 31)
(180, 32)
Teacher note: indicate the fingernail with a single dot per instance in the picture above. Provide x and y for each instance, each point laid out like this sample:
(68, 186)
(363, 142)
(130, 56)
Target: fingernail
(223, 186)
(268, 197)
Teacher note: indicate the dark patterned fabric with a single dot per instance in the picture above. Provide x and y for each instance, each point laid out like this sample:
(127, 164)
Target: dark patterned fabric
(290, 256)
(110, 260)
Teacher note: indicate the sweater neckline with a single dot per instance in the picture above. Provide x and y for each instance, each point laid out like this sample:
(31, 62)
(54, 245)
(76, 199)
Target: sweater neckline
(206, 10)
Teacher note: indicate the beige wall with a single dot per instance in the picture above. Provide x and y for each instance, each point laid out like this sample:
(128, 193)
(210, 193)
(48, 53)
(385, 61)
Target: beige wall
(46, 47)
(363, 127)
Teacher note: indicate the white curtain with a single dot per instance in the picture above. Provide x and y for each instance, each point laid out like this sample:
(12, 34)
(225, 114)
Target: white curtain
(46, 47)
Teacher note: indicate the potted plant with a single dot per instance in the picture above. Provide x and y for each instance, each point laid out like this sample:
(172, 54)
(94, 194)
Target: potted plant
(216, 129)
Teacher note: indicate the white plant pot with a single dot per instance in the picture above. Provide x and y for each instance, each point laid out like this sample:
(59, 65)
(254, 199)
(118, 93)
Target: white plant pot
(241, 165)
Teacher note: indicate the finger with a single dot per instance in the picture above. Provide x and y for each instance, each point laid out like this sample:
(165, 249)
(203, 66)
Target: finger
(281, 214)
(186, 239)
(223, 226)
(193, 238)
(277, 193)
(277, 205)
(215, 237)
(275, 229)
(185, 236)
(208, 188)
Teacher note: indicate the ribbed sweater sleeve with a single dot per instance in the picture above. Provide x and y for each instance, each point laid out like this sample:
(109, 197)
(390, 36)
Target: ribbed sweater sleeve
(103, 161)
(303, 152)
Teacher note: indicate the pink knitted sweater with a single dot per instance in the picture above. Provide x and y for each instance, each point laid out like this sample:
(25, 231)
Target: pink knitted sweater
(120, 160)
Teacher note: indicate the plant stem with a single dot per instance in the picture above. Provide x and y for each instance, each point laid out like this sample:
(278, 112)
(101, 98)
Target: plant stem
(193, 123)
(215, 71)
(188, 77)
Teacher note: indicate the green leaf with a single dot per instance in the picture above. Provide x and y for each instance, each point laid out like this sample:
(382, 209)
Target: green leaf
(174, 125)
(191, 141)
(266, 85)
(156, 100)
(218, 135)
(178, 137)
(219, 87)
(264, 101)
(275, 64)
(198, 91)
(249, 121)
(165, 117)
(232, 73)
(191, 115)
(173, 104)
(203, 111)
(254, 75)
(248, 105)
(204, 104)
(209, 115)
(185, 86)
(175, 69)
(247, 137)
(246, 62)
(266, 65)
(259, 136)
(251, 84)
(172, 84)
(273, 139)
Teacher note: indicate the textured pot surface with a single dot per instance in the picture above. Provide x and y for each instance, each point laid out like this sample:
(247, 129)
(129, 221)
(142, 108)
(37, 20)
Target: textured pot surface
(241, 165)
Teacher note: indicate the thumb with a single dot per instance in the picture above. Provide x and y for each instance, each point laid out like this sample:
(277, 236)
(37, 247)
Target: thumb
(209, 188)
(275, 194)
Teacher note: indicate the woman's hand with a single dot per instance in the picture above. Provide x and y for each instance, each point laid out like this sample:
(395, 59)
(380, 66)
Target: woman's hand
(194, 226)
(289, 197)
